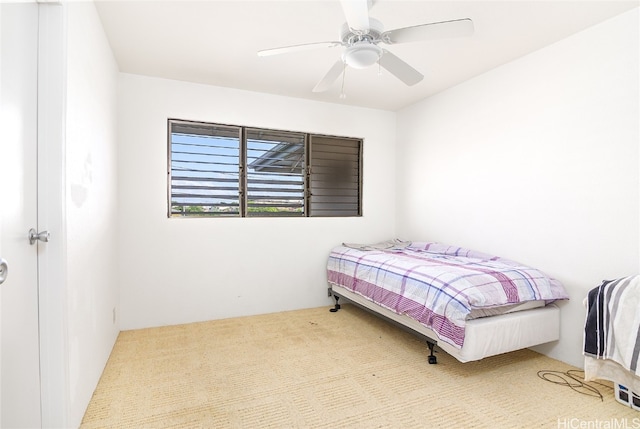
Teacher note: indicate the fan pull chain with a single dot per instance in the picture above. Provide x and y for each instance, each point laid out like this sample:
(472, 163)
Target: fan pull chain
(344, 72)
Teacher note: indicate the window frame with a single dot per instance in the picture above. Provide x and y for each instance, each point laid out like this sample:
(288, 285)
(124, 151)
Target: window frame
(243, 174)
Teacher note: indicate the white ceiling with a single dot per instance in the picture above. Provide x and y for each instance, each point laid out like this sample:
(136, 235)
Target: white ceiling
(215, 42)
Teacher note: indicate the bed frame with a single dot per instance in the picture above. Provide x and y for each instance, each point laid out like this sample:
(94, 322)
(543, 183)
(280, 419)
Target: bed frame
(484, 337)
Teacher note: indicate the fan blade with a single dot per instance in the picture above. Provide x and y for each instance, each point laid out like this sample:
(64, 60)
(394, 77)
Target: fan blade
(399, 68)
(296, 48)
(435, 30)
(334, 73)
(357, 14)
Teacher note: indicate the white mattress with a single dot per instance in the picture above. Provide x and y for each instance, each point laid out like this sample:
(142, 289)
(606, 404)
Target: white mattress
(486, 336)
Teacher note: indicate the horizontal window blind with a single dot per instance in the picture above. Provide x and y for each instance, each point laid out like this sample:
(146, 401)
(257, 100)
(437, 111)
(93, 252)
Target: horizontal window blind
(275, 173)
(334, 182)
(204, 169)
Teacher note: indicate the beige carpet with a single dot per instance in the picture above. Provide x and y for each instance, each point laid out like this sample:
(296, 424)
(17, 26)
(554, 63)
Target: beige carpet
(316, 369)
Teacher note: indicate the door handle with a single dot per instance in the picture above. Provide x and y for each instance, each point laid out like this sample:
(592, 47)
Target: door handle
(42, 236)
(4, 270)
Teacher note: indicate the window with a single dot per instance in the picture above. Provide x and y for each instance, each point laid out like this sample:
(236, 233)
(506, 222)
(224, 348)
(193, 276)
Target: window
(222, 170)
(335, 179)
(275, 173)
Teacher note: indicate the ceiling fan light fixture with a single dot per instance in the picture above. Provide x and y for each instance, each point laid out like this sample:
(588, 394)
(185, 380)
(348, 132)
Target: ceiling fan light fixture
(361, 55)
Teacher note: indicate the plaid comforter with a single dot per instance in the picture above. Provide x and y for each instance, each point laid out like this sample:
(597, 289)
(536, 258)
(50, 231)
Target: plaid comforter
(436, 284)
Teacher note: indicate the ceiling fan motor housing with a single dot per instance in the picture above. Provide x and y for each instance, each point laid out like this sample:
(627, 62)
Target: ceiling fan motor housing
(362, 48)
(361, 55)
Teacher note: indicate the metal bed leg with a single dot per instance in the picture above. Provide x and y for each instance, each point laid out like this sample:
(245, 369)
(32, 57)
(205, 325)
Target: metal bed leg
(337, 306)
(432, 358)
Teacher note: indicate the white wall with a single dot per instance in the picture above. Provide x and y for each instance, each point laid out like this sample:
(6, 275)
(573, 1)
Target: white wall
(91, 176)
(536, 161)
(180, 270)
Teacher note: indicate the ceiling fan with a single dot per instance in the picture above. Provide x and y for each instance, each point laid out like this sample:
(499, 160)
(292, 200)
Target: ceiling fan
(361, 36)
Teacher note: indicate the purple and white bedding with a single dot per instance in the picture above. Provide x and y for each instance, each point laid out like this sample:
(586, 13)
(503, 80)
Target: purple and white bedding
(436, 284)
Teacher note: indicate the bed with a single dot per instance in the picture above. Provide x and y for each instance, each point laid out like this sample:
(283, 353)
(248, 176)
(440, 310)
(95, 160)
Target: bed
(470, 304)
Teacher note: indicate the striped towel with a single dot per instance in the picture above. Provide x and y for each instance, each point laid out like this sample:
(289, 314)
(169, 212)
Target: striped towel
(612, 326)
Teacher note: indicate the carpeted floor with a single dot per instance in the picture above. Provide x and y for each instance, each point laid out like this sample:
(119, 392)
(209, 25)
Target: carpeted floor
(316, 369)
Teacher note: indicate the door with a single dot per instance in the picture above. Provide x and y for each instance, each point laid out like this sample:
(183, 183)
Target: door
(19, 342)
